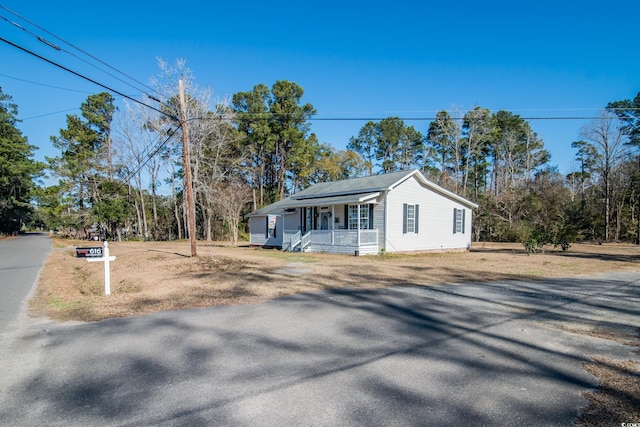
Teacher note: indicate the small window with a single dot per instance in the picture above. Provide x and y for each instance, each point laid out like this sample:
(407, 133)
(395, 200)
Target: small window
(308, 219)
(410, 216)
(271, 226)
(458, 221)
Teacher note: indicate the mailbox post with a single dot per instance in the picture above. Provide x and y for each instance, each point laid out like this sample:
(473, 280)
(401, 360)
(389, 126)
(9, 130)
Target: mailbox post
(106, 259)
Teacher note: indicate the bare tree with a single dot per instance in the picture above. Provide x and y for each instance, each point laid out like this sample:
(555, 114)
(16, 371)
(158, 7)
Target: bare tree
(608, 142)
(218, 158)
(132, 141)
(196, 111)
(212, 138)
(230, 200)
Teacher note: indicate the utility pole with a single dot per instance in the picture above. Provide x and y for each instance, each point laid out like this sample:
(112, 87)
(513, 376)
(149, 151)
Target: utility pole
(188, 183)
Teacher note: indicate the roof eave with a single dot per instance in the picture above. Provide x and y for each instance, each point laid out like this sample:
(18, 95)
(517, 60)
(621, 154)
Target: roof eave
(340, 193)
(436, 188)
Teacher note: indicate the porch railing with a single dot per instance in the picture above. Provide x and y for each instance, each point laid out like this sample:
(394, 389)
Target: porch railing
(344, 237)
(294, 241)
(291, 239)
(305, 240)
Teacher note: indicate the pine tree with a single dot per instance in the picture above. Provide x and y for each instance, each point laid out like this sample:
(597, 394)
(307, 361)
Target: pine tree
(17, 170)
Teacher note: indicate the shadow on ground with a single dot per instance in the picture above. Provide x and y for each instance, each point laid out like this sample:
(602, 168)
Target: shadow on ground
(492, 353)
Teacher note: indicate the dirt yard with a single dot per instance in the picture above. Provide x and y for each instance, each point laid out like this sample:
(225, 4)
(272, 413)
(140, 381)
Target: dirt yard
(155, 276)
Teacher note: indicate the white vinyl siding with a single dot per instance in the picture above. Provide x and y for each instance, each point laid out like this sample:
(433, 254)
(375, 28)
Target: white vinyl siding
(257, 230)
(378, 221)
(434, 218)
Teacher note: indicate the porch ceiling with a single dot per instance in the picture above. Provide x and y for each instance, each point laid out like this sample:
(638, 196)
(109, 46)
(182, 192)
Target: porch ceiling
(334, 200)
(278, 207)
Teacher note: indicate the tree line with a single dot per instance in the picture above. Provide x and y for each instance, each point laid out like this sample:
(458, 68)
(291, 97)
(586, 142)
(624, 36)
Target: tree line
(119, 173)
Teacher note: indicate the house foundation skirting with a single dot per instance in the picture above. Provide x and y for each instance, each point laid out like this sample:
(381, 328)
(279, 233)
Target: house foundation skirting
(347, 250)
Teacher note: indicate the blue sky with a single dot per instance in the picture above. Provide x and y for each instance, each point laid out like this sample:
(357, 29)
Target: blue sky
(353, 59)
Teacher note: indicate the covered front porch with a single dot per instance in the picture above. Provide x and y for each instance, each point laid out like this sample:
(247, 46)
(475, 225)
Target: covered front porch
(354, 242)
(341, 224)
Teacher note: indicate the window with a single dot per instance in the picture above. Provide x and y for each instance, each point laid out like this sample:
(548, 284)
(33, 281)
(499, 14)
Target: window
(308, 219)
(352, 213)
(410, 218)
(458, 221)
(353, 217)
(364, 217)
(271, 226)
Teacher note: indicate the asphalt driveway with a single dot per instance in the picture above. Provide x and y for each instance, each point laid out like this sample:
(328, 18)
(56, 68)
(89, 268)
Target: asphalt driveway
(475, 354)
(21, 259)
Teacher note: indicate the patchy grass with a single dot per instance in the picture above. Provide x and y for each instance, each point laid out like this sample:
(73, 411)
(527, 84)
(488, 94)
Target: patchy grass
(155, 276)
(72, 310)
(617, 399)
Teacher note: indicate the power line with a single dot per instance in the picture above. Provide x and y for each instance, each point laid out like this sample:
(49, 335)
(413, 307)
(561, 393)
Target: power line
(361, 119)
(80, 50)
(45, 85)
(268, 116)
(155, 151)
(155, 99)
(52, 45)
(147, 156)
(87, 78)
(49, 114)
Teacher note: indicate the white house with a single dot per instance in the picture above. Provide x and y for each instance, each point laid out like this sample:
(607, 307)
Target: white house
(395, 212)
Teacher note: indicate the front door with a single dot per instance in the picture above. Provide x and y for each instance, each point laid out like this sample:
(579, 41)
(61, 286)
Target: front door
(324, 220)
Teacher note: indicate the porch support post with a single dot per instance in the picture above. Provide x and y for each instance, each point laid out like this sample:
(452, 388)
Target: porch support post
(332, 220)
(358, 226)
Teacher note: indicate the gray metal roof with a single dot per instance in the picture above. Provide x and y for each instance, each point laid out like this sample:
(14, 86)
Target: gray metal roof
(272, 209)
(289, 203)
(353, 185)
(354, 190)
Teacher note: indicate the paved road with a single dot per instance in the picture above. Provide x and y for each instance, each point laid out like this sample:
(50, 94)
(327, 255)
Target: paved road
(20, 261)
(490, 354)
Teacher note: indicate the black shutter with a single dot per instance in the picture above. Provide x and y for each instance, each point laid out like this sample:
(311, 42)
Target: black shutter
(370, 216)
(455, 217)
(266, 228)
(416, 219)
(463, 212)
(404, 218)
(346, 217)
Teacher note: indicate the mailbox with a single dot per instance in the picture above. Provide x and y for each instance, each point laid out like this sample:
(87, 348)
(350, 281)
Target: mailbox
(94, 252)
